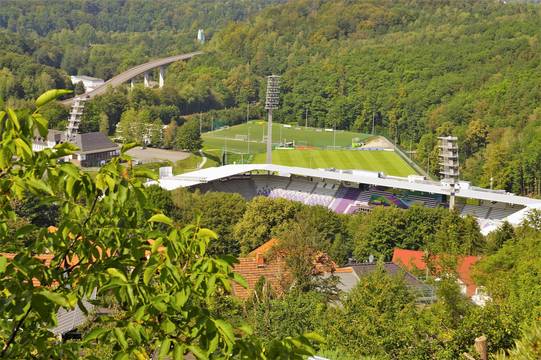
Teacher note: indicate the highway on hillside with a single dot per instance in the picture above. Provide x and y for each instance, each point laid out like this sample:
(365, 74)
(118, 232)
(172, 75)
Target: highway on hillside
(133, 72)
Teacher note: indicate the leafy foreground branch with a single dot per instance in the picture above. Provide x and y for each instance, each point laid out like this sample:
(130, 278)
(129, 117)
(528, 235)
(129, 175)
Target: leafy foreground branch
(159, 274)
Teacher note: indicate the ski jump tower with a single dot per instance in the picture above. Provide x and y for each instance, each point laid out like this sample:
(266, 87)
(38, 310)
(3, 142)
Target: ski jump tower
(76, 115)
(449, 165)
(271, 103)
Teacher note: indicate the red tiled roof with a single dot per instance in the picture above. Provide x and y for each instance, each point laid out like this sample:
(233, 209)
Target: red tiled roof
(411, 259)
(263, 249)
(45, 258)
(256, 265)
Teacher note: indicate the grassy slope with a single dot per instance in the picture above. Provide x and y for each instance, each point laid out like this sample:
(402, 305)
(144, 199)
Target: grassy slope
(385, 161)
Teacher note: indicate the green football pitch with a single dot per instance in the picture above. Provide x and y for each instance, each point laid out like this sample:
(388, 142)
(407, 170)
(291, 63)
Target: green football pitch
(387, 162)
(236, 138)
(318, 148)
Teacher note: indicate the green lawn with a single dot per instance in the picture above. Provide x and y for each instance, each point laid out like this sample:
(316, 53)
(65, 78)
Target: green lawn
(216, 145)
(254, 131)
(386, 161)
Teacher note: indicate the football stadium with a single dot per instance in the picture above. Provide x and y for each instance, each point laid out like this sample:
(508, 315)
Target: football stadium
(351, 191)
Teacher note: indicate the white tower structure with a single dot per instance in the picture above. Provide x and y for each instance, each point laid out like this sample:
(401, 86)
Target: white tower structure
(272, 101)
(201, 36)
(76, 115)
(449, 165)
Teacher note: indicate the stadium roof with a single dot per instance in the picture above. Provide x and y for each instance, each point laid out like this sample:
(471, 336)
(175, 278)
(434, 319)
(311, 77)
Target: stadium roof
(414, 183)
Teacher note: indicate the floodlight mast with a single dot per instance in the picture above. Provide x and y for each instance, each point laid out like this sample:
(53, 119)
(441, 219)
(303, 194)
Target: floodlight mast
(449, 165)
(271, 103)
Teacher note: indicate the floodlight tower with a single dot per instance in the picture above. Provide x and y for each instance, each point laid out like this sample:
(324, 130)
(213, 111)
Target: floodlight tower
(76, 115)
(449, 165)
(271, 103)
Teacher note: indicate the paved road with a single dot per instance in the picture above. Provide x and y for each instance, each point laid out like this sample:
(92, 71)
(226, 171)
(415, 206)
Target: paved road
(135, 71)
(200, 165)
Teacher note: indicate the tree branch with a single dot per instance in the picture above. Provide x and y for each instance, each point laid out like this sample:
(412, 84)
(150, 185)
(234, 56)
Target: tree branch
(14, 332)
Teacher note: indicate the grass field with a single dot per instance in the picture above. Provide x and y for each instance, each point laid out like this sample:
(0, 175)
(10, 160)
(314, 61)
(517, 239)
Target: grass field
(254, 131)
(244, 143)
(386, 161)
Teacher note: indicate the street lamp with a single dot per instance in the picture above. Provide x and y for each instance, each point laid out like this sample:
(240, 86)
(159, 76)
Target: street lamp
(271, 103)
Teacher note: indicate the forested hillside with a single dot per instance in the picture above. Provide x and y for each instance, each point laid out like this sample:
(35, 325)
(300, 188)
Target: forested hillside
(412, 70)
(44, 41)
(416, 69)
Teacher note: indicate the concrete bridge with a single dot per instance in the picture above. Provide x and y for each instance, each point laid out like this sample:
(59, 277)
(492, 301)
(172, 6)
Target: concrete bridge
(142, 69)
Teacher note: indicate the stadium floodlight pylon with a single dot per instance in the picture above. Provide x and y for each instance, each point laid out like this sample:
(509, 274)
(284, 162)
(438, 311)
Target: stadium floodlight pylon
(76, 115)
(272, 101)
(449, 165)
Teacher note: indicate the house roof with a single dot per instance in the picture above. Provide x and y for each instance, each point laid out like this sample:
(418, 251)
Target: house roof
(350, 274)
(256, 265)
(94, 141)
(411, 259)
(263, 249)
(85, 78)
(53, 135)
(392, 269)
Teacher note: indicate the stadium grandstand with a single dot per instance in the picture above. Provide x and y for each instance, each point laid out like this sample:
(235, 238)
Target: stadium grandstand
(351, 191)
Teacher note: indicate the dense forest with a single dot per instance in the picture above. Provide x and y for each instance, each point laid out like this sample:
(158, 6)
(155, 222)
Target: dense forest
(44, 41)
(416, 69)
(410, 70)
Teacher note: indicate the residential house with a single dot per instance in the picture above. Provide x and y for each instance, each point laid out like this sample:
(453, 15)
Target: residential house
(350, 275)
(262, 263)
(416, 260)
(95, 148)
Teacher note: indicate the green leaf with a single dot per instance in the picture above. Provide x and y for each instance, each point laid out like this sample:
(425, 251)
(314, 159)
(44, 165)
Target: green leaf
(180, 299)
(71, 170)
(3, 264)
(164, 348)
(122, 356)
(197, 351)
(14, 119)
(133, 332)
(55, 298)
(100, 182)
(156, 245)
(206, 233)
(159, 305)
(25, 149)
(161, 218)
(42, 124)
(40, 185)
(168, 326)
(178, 353)
(119, 334)
(145, 173)
(139, 313)
(50, 95)
(117, 274)
(147, 275)
(314, 337)
(240, 280)
(127, 147)
(95, 334)
(226, 330)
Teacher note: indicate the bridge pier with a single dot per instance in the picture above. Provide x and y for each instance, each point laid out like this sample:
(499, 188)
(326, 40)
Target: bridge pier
(132, 84)
(147, 79)
(162, 76)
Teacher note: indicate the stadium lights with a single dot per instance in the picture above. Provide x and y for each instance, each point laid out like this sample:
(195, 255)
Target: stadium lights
(449, 165)
(272, 101)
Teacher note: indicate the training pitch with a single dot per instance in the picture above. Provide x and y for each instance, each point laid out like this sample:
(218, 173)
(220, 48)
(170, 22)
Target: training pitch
(387, 162)
(254, 132)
